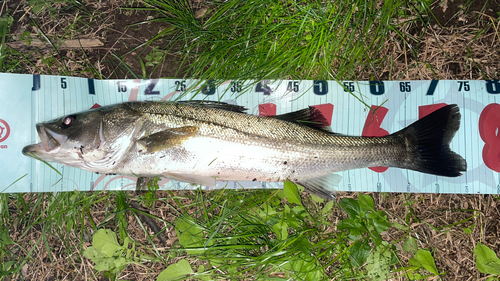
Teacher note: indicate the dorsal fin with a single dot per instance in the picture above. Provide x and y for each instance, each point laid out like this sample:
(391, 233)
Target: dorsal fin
(216, 104)
(310, 117)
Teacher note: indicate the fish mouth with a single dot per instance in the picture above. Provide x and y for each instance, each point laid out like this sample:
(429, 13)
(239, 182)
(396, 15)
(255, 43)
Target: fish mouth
(50, 141)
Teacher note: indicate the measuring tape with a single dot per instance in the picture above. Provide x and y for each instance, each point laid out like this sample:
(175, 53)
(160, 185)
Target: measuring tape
(29, 99)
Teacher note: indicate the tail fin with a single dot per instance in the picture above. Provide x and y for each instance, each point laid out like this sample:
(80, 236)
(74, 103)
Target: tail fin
(429, 140)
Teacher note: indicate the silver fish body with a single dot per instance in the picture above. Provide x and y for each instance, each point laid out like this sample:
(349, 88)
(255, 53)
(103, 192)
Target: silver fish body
(207, 142)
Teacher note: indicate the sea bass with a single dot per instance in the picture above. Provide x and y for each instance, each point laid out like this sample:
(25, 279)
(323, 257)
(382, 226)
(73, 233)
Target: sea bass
(204, 142)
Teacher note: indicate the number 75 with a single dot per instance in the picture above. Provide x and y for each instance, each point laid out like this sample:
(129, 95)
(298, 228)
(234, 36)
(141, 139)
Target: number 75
(463, 85)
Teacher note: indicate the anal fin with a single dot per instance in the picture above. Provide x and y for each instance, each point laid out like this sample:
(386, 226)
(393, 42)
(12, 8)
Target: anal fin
(323, 187)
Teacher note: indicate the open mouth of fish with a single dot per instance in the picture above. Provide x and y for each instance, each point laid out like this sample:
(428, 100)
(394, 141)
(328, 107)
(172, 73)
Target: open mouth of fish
(50, 141)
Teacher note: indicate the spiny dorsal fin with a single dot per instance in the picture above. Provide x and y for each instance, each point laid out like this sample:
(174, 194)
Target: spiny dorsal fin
(216, 104)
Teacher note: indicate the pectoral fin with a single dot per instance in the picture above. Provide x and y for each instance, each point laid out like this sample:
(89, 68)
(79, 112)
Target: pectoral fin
(167, 138)
(323, 187)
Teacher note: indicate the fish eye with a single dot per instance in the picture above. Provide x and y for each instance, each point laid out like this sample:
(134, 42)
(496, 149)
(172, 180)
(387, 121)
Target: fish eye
(68, 121)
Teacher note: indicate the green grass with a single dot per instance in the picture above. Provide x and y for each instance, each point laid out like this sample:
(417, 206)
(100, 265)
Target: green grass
(61, 216)
(245, 234)
(283, 39)
(63, 24)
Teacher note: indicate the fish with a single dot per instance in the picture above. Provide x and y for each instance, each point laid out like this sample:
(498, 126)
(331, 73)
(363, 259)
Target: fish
(204, 142)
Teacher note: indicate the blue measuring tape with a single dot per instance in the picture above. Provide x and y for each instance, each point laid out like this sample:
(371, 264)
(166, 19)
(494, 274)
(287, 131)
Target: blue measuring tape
(29, 99)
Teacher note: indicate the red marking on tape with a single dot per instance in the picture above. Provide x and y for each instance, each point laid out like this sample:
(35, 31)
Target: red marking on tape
(327, 112)
(134, 92)
(96, 105)
(489, 130)
(373, 122)
(267, 109)
(4, 130)
(372, 128)
(425, 110)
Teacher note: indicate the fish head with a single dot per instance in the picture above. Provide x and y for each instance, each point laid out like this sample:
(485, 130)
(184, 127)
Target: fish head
(68, 139)
(85, 139)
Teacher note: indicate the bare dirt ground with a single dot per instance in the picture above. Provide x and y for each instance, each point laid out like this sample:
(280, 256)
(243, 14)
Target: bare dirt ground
(453, 48)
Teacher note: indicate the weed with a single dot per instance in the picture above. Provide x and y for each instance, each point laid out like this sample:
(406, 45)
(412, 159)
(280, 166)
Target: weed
(259, 235)
(487, 261)
(149, 198)
(178, 270)
(110, 256)
(154, 57)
